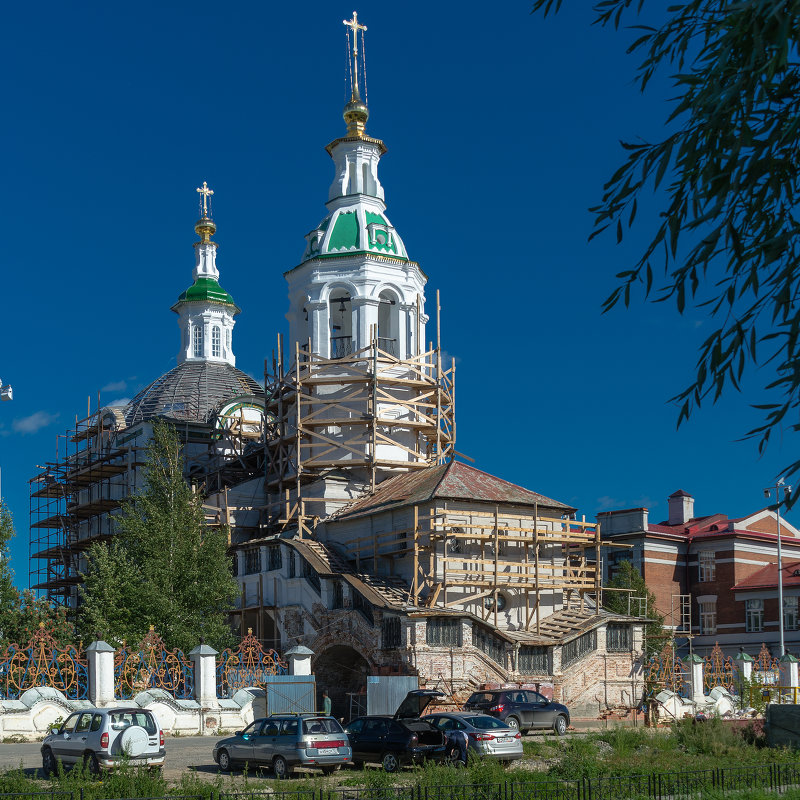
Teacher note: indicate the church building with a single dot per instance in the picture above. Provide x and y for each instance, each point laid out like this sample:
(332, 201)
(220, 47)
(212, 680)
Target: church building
(354, 529)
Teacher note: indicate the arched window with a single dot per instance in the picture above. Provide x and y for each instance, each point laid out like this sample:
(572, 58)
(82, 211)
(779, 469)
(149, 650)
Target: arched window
(388, 324)
(216, 342)
(341, 319)
(198, 341)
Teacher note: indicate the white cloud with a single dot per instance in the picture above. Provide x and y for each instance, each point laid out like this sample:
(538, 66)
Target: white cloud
(120, 401)
(605, 502)
(34, 423)
(115, 386)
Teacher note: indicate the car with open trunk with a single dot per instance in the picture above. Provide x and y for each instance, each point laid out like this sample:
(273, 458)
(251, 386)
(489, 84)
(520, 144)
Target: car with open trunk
(404, 738)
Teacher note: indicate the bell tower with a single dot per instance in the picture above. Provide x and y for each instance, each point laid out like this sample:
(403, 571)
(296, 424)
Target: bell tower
(355, 394)
(355, 281)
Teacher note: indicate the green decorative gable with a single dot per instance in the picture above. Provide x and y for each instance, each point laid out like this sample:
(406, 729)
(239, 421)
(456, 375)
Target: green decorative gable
(206, 289)
(344, 235)
(380, 237)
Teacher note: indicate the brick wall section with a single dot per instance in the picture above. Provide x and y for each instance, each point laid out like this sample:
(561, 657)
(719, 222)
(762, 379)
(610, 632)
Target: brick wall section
(665, 580)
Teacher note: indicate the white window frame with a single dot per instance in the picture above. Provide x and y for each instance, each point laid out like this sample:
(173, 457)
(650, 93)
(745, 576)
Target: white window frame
(790, 613)
(197, 341)
(706, 566)
(754, 615)
(708, 616)
(216, 342)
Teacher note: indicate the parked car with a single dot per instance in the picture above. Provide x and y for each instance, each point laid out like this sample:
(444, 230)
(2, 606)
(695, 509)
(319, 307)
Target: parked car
(401, 739)
(521, 708)
(285, 743)
(478, 734)
(103, 737)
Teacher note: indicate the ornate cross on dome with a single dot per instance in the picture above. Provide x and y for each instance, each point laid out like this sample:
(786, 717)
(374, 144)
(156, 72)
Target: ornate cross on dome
(206, 193)
(355, 26)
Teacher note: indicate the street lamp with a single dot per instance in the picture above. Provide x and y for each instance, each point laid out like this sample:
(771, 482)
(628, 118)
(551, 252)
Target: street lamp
(6, 392)
(787, 490)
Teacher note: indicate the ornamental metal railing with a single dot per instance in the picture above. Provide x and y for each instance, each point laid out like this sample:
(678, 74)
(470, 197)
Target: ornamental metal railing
(341, 346)
(249, 664)
(149, 665)
(42, 662)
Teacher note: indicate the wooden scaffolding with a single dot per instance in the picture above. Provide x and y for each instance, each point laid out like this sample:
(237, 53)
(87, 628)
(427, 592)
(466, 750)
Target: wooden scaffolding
(368, 410)
(455, 563)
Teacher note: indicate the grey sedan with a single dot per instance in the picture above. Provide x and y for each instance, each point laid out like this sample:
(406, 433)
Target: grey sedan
(479, 735)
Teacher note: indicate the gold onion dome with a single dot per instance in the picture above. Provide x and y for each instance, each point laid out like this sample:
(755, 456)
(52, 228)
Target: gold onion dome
(356, 115)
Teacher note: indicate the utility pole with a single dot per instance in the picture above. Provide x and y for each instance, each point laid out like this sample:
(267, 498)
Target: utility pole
(787, 490)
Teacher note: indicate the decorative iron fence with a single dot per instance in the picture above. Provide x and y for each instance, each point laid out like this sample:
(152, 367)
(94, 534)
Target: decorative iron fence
(765, 668)
(666, 671)
(248, 665)
(718, 670)
(43, 663)
(150, 665)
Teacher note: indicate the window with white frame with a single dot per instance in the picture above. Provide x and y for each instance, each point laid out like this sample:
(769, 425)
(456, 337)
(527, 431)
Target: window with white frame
(228, 339)
(790, 613)
(754, 616)
(708, 616)
(707, 568)
(216, 342)
(198, 341)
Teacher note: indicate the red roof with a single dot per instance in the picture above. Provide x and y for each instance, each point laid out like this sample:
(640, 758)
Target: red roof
(767, 577)
(453, 481)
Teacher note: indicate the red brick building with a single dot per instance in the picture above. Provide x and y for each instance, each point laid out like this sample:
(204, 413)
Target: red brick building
(710, 574)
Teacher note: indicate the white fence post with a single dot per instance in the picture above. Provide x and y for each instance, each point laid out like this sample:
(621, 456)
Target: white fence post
(299, 660)
(204, 659)
(789, 677)
(698, 691)
(100, 658)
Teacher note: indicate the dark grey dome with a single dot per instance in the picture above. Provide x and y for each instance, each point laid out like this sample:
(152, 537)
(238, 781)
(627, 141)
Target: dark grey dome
(191, 392)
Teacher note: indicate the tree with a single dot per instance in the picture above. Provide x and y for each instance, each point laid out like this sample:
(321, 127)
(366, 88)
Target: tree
(9, 597)
(163, 567)
(726, 236)
(22, 613)
(628, 577)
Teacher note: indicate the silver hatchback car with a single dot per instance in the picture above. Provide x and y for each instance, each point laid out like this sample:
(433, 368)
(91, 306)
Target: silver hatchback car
(103, 738)
(285, 743)
(479, 735)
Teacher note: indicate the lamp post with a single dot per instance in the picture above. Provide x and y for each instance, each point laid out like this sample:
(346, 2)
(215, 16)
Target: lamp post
(787, 490)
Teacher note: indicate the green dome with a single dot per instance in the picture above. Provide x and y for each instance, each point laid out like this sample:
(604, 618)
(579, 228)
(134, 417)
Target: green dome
(206, 289)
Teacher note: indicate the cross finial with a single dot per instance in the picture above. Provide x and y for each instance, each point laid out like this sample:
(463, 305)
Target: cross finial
(355, 26)
(206, 193)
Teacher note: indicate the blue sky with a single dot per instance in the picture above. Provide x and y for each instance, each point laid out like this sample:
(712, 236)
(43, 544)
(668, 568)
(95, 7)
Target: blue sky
(501, 129)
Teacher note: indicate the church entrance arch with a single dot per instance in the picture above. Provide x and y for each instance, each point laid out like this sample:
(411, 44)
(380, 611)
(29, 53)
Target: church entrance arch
(341, 671)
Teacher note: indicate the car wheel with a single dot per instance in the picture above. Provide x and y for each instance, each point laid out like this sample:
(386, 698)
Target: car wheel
(48, 762)
(92, 764)
(280, 768)
(224, 760)
(560, 725)
(390, 762)
(512, 722)
(453, 758)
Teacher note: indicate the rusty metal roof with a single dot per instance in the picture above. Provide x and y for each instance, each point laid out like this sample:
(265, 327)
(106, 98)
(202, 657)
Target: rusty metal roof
(453, 481)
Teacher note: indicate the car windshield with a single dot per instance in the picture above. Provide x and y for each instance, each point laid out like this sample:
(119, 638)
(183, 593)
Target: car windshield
(484, 723)
(321, 725)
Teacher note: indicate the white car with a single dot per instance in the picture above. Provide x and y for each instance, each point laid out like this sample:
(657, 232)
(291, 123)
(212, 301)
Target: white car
(103, 738)
(478, 734)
